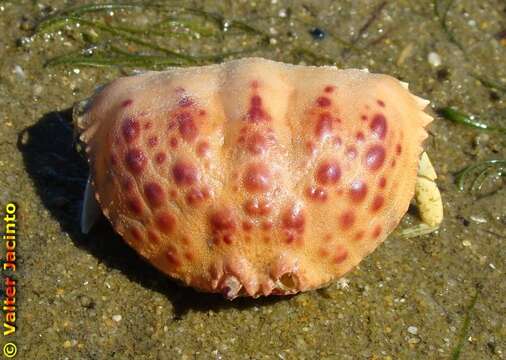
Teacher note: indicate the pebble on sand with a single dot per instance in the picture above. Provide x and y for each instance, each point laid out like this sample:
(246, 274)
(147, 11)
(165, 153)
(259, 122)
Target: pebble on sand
(434, 59)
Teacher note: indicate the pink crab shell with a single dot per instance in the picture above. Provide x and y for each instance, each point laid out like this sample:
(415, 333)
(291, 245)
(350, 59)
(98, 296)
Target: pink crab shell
(254, 177)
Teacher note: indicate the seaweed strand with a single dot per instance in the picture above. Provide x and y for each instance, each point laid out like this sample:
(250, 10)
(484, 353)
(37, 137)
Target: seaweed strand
(465, 328)
(451, 37)
(176, 21)
(491, 167)
(102, 61)
(370, 20)
(46, 23)
(489, 83)
(461, 118)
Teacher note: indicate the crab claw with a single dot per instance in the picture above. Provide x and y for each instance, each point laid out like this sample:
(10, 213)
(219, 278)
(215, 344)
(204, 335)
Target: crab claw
(427, 195)
(428, 199)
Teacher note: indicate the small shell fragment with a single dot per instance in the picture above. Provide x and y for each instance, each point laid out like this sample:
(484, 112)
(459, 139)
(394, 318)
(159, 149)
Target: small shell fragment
(434, 59)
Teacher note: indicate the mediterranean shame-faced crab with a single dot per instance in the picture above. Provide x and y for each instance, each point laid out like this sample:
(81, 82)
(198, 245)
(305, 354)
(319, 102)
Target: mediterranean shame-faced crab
(255, 177)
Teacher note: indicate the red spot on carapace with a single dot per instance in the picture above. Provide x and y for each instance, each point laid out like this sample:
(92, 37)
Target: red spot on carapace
(392, 164)
(136, 234)
(257, 207)
(172, 257)
(173, 194)
(189, 256)
(135, 205)
(127, 103)
(160, 157)
(227, 239)
(398, 149)
(185, 240)
(290, 237)
(351, 152)
(185, 101)
(379, 126)
(165, 221)
(341, 254)
(381, 103)
(256, 113)
(359, 235)
(310, 147)
(323, 101)
(153, 237)
(130, 129)
(346, 220)
(153, 141)
(377, 231)
(256, 101)
(257, 143)
(254, 84)
(294, 219)
(222, 221)
(127, 184)
(328, 173)
(323, 252)
(375, 157)
(184, 173)
(257, 178)
(147, 125)
(202, 148)
(336, 140)
(267, 225)
(196, 196)
(377, 203)
(329, 88)
(187, 127)
(154, 194)
(135, 160)
(173, 142)
(316, 193)
(247, 225)
(324, 125)
(171, 125)
(360, 136)
(358, 191)
(363, 117)
(382, 182)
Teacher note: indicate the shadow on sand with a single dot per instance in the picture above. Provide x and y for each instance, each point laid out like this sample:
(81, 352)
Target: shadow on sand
(59, 173)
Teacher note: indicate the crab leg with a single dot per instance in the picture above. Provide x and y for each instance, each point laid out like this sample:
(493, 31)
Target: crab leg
(90, 211)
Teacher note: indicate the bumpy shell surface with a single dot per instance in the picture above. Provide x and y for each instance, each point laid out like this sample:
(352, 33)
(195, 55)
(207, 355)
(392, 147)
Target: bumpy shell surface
(254, 177)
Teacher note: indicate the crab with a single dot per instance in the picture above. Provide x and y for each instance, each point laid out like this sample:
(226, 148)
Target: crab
(254, 177)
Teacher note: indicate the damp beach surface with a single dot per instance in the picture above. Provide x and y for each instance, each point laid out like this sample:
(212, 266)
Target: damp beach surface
(91, 297)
